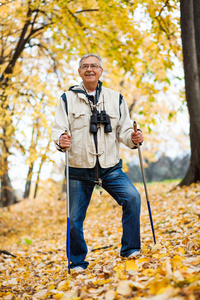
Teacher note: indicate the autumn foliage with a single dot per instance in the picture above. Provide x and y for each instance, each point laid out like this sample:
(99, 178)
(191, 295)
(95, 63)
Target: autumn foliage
(40, 45)
(35, 232)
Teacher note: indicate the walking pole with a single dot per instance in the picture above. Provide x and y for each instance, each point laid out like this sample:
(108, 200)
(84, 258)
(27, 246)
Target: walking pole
(68, 214)
(145, 186)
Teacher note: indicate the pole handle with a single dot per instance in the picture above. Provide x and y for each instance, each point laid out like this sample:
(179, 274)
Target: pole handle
(135, 126)
(65, 133)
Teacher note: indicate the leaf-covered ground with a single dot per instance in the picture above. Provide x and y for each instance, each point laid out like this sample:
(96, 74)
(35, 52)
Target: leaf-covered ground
(34, 231)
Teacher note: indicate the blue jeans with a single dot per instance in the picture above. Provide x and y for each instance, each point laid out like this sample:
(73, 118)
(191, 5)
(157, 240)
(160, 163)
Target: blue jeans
(118, 185)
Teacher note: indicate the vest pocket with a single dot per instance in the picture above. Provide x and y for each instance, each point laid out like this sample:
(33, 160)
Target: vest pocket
(79, 120)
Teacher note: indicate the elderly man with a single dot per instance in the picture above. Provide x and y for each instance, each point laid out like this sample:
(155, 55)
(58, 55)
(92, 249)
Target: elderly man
(97, 120)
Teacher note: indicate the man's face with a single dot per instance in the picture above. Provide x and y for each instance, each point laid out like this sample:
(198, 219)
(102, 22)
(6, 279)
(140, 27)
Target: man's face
(90, 70)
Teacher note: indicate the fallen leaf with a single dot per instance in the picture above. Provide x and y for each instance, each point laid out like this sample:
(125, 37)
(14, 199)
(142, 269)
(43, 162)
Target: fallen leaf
(63, 285)
(123, 288)
(131, 265)
(70, 294)
(40, 294)
(110, 295)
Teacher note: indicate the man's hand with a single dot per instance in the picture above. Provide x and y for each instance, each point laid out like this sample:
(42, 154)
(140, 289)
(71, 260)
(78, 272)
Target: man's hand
(65, 141)
(137, 137)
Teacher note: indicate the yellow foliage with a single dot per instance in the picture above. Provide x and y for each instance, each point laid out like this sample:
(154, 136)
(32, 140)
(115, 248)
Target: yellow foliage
(137, 53)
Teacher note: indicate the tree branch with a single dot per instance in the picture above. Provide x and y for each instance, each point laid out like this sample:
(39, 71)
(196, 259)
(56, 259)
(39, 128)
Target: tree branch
(166, 3)
(76, 19)
(7, 253)
(86, 10)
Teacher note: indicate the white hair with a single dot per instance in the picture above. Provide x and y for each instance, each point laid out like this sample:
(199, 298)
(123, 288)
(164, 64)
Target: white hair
(88, 55)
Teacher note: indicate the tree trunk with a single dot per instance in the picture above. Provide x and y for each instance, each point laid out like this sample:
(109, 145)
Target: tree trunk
(192, 89)
(8, 196)
(38, 179)
(26, 34)
(32, 151)
(28, 182)
(197, 32)
(40, 168)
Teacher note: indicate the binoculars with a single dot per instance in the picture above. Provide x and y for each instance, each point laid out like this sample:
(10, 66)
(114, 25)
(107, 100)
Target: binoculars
(100, 118)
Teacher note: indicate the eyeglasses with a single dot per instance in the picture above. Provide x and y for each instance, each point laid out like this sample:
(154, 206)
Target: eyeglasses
(92, 66)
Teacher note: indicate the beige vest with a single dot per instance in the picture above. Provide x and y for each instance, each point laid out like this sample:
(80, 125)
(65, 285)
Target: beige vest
(82, 153)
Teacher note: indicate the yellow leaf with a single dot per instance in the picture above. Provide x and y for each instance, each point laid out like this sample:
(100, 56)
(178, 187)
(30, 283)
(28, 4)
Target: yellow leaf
(51, 287)
(158, 287)
(166, 294)
(149, 272)
(119, 269)
(101, 282)
(58, 296)
(177, 262)
(158, 256)
(63, 285)
(131, 265)
(141, 260)
(181, 250)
